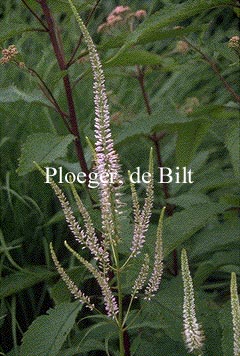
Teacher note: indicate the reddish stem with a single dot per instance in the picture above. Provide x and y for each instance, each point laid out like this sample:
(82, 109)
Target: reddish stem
(57, 47)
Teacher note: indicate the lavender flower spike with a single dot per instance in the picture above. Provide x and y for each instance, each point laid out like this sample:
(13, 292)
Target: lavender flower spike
(67, 210)
(155, 279)
(91, 238)
(87, 239)
(109, 299)
(235, 315)
(141, 278)
(142, 218)
(78, 294)
(107, 163)
(192, 333)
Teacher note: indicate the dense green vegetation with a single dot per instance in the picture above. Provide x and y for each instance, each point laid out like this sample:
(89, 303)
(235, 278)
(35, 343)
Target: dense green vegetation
(172, 83)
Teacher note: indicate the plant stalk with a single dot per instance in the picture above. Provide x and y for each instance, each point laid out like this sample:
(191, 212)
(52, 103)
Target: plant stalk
(56, 41)
(216, 70)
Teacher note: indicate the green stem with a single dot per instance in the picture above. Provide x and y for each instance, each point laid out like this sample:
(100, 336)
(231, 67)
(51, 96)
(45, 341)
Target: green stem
(120, 315)
(128, 310)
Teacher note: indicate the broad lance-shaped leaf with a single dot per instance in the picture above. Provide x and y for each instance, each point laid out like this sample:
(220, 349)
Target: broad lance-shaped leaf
(43, 148)
(16, 282)
(235, 315)
(9, 32)
(119, 40)
(12, 94)
(47, 333)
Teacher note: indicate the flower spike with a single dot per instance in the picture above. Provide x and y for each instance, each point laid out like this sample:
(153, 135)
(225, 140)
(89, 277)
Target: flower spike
(87, 239)
(155, 279)
(109, 299)
(192, 333)
(142, 276)
(142, 217)
(235, 315)
(107, 161)
(77, 293)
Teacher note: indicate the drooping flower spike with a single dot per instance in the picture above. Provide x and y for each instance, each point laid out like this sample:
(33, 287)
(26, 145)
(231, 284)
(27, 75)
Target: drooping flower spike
(192, 331)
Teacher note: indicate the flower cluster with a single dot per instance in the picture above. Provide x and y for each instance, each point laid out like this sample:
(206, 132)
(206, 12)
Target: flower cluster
(142, 276)
(142, 217)
(234, 42)
(193, 334)
(77, 293)
(86, 238)
(155, 279)
(182, 47)
(109, 299)
(8, 54)
(120, 15)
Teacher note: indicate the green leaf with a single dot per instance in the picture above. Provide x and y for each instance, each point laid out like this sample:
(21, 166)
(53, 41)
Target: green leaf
(190, 136)
(118, 41)
(43, 148)
(182, 225)
(213, 264)
(232, 144)
(219, 237)
(88, 345)
(18, 29)
(62, 6)
(189, 199)
(18, 281)
(164, 311)
(142, 125)
(135, 56)
(172, 14)
(12, 94)
(47, 333)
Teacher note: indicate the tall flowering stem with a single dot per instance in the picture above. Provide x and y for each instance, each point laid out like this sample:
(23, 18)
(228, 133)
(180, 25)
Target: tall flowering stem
(107, 161)
(107, 167)
(192, 333)
(235, 315)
